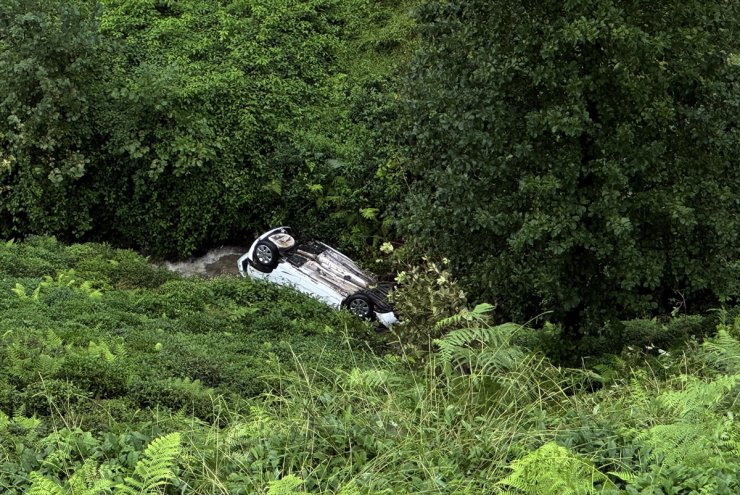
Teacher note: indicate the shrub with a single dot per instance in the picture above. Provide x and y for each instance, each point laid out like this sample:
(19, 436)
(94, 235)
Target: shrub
(51, 397)
(186, 395)
(102, 377)
(8, 394)
(426, 294)
(579, 157)
(121, 268)
(173, 127)
(667, 334)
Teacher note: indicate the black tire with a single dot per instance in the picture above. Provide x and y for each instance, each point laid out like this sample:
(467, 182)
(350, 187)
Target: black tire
(265, 256)
(360, 305)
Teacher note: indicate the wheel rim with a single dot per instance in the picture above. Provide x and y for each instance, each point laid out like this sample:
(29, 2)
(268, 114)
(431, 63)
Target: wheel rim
(264, 254)
(359, 307)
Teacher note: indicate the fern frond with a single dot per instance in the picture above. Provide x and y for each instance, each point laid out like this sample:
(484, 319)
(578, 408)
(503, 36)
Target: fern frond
(458, 344)
(20, 291)
(100, 350)
(286, 486)
(349, 489)
(155, 468)
(43, 486)
(88, 481)
(623, 475)
(723, 351)
(554, 470)
(477, 314)
(53, 341)
(678, 442)
(87, 289)
(698, 396)
(367, 379)
(26, 423)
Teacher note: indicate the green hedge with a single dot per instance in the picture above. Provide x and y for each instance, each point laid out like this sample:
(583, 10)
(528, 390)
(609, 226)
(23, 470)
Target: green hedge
(579, 157)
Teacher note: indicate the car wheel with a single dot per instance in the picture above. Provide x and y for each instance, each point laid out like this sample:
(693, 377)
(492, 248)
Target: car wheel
(265, 256)
(360, 305)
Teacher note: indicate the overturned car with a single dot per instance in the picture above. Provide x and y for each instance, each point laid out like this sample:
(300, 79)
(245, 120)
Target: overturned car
(319, 271)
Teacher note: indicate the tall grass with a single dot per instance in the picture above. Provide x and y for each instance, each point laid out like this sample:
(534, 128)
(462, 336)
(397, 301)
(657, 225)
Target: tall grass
(88, 384)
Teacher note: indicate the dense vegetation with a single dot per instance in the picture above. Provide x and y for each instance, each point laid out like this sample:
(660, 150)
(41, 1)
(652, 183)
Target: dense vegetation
(580, 156)
(577, 157)
(174, 125)
(574, 164)
(116, 375)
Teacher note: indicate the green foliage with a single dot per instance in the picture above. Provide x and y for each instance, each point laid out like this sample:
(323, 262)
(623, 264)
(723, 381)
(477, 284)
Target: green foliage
(470, 347)
(178, 345)
(152, 472)
(155, 469)
(426, 294)
(579, 157)
(176, 394)
(286, 486)
(51, 67)
(231, 386)
(171, 126)
(553, 470)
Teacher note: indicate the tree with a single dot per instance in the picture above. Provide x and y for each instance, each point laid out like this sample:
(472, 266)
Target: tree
(50, 68)
(579, 156)
(172, 126)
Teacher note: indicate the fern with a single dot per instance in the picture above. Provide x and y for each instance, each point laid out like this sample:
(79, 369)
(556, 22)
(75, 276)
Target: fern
(26, 423)
(698, 397)
(53, 341)
(367, 379)
(63, 279)
(154, 469)
(87, 480)
(286, 486)
(722, 352)
(100, 350)
(702, 433)
(87, 289)
(477, 314)
(679, 443)
(349, 489)
(482, 348)
(44, 486)
(20, 291)
(554, 470)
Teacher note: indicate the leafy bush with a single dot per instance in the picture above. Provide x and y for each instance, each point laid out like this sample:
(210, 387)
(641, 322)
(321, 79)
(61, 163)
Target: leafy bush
(426, 294)
(644, 336)
(103, 378)
(174, 126)
(176, 394)
(286, 394)
(579, 157)
(53, 64)
(50, 397)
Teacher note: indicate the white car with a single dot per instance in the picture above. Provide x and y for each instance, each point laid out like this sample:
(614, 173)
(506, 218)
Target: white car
(319, 271)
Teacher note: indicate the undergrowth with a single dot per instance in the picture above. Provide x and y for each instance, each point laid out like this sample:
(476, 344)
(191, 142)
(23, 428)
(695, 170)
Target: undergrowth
(117, 377)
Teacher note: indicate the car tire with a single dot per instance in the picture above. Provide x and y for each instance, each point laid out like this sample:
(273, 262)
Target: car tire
(265, 256)
(360, 305)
